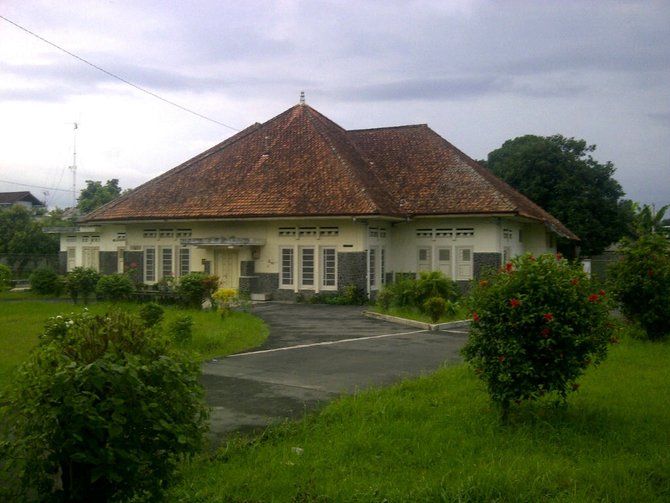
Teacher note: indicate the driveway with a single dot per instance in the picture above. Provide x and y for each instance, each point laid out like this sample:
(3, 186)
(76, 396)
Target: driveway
(314, 354)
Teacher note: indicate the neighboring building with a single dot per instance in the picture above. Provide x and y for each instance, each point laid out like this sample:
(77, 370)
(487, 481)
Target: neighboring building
(24, 198)
(300, 205)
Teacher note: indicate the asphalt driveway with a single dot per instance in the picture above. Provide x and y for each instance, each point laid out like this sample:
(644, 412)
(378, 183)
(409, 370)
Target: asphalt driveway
(316, 353)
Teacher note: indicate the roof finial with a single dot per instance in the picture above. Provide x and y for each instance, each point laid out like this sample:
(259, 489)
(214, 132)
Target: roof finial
(302, 97)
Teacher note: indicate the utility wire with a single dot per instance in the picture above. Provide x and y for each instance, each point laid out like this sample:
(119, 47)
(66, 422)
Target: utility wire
(150, 93)
(35, 186)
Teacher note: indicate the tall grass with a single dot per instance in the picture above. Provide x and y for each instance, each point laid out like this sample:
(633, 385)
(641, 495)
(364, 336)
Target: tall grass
(437, 438)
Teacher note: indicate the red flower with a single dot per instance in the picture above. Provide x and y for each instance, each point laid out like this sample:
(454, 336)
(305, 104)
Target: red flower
(508, 266)
(574, 281)
(602, 293)
(559, 256)
(574, 386)
(650, 273)
(501, 358)
(546, 332)
(483, 282)
(514, 302)
(475, 316)
(594, 297)
(548, 316)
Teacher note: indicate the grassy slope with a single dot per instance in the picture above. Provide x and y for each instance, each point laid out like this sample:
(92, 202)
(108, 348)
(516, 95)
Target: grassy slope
(437, 439)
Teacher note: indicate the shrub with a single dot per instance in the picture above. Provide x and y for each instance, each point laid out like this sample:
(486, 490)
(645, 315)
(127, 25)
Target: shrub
(640, 282)
(5, 277)
(435, 307)
(537, 325)
(181, 329)
(45, 281)
(81, 282)
(194, 288)
(434, 284)
(115, 287)
(226, 298)
(151, 314)
(385, 298)
(101, 411)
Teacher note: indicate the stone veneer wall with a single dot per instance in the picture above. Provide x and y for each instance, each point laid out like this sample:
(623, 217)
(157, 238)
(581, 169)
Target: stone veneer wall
(135, 260)
(485, 260)
(109, 262)
(352, 269)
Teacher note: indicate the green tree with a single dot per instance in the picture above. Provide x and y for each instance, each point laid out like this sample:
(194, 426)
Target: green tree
(560, 175)
(95, 194)
(649, 221)
(101, 411)
(641, 283)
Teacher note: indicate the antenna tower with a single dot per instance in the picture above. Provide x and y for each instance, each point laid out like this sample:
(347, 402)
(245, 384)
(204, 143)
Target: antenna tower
(73, 168)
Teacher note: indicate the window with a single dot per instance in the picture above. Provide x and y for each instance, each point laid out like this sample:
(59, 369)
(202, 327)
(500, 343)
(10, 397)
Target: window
(166, 233)
(444, 261)
(91, 257)
(184, 233)
(150, 265)
(328, 268)
(286, 271)
(184, 261)
(372, 267)
(149, 233)
(507, 234)
(464, 263)
(307, 267)
(120, 263)
(424, 262)
(166, 261)
(71, 258)
(382, 265)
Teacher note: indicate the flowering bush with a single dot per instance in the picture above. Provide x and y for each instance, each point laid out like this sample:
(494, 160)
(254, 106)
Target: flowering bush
(226, 298)
(640, 281)
(537, 324)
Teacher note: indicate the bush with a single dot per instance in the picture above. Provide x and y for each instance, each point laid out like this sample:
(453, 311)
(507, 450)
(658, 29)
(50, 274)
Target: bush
(434, 284)
(101, 411)
(5, 277)
(537, 325)
(435, 307)
(45, 281)
(81, 282)
(640, 282)
(181, 329)
(151, 314)
(194, 288)
(115, 287)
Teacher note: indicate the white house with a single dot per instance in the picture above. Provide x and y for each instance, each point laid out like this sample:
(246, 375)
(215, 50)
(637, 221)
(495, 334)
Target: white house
(300, 205)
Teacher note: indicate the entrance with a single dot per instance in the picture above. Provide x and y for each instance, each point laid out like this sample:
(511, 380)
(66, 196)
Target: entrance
(227, 268)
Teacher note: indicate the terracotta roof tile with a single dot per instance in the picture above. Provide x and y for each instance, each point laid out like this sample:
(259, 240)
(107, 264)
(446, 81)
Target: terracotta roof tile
(300, 163)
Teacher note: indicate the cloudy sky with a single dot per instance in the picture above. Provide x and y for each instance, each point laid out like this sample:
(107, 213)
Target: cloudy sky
(478, 72)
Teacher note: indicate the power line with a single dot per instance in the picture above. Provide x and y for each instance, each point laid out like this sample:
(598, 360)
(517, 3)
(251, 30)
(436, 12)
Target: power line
(127, 82)
(35, 186)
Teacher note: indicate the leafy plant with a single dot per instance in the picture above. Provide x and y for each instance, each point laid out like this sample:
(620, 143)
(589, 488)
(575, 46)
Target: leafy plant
(435, 307)
(434, 284)
(5, 277)
(45, 281)
(181, 329)
(640, 282)
(151, 314)
(226, 298)
(194, 288)
(115, 287)
(101, 411)
(537, 325)
(81, 283)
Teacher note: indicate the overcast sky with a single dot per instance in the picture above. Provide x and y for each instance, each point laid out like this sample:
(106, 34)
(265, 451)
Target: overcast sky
(477, 72)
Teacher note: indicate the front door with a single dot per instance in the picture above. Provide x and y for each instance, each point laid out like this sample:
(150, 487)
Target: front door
(227, 268)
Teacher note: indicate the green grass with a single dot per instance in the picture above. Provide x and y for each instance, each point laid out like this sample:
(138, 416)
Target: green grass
(21, 323)
(437, 438)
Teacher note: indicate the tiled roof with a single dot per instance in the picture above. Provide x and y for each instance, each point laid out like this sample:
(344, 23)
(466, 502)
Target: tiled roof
(300, 164)
(16, 197)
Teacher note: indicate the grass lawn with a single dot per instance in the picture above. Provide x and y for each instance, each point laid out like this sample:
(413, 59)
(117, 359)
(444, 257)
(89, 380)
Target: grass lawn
(21, 322)
(438, 439)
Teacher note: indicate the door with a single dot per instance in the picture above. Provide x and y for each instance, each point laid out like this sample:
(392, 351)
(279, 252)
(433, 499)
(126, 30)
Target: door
(226, 267)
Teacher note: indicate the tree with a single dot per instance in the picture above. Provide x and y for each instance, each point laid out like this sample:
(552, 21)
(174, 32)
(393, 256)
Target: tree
(96, 194)
(649, 221)
(22, 238)
(561, 176)
(102, 410)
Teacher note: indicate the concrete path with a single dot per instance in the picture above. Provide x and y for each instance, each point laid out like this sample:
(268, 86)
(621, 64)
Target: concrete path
(315, 353)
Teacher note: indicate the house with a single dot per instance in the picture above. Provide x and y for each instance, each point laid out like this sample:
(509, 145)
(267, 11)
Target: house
(23, 198)
(300, 205)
